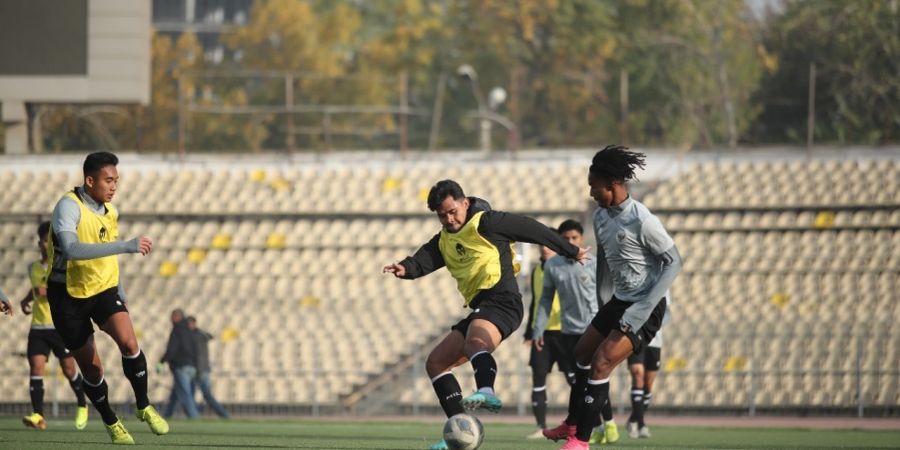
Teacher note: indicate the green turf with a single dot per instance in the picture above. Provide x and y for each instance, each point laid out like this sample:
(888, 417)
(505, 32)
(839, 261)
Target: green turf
(339, 434)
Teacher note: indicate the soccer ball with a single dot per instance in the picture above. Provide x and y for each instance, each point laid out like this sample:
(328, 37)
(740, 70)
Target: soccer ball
(463, 432)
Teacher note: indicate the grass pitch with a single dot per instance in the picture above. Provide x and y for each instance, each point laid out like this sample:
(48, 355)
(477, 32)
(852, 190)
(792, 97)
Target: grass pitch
(354, 434)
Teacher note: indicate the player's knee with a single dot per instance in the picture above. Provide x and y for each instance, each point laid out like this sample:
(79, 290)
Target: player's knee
(434, 367)
(602, 367)
(129, 346)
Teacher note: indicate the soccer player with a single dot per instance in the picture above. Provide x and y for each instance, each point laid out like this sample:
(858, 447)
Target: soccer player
(42, 339)
(83, 285)
(641, 259)
(576, 286)
(475, 246)
(541, 361)
(643, 367)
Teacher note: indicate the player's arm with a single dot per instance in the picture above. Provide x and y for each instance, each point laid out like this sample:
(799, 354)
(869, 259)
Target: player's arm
(425, 260)
(655, 238)
(66, 215)
(5, 307)
(543, 311)
(525, 229)
(25, 304)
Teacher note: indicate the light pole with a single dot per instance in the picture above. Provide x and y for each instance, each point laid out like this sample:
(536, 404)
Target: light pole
(487, 110)
(484, 138)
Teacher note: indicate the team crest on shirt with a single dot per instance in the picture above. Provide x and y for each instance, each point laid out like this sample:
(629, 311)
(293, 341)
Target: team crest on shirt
(460, 250)
(102, 233)
(621, 236)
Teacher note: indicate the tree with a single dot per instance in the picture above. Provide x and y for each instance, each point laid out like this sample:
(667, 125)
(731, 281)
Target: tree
(856, 49)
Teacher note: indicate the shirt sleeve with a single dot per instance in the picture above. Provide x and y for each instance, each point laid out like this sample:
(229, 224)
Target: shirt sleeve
(655, 237)
(76, 250)
(3, 297)
(427, 259)
(66, 215)
(636, 315)
(525, 229)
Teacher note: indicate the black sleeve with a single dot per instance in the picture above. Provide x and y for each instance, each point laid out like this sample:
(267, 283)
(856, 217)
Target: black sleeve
(427, 259)
(525, 229)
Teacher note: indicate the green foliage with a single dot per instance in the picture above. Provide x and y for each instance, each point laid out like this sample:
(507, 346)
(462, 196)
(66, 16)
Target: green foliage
(700, 73)
(856, 49)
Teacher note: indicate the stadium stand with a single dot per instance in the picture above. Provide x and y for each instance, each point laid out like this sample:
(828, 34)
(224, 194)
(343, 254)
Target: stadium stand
(791, 269)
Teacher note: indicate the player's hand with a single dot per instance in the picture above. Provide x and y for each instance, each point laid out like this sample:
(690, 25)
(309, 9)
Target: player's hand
(42, 291)
(397, 269)
(160, 367)
(539, 343)
(527, 342)
(584, 254)
(7, 309)
(145, 245)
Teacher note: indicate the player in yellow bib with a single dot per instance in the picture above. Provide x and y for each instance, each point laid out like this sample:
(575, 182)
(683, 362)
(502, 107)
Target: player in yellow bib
(83, 285)
(42, 339)
(475, 245)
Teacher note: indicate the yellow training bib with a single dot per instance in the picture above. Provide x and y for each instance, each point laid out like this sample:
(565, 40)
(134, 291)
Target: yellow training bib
(40, 308)
(471, 259)
(90, 277)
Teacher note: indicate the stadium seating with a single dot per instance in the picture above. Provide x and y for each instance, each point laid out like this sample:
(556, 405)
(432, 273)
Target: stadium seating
(790, 272)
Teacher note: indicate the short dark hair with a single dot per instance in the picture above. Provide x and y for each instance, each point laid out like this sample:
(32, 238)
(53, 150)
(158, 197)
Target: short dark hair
(569, 225)
(441, 190)
(43, 229)
(192, 319)
(98, 160)
(616, 163)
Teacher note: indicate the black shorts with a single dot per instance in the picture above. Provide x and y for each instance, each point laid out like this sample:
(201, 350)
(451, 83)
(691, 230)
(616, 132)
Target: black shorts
(558, 348)
(72, 316)
(42, 340)
(610, 315)
(504, 311)
(649, 357)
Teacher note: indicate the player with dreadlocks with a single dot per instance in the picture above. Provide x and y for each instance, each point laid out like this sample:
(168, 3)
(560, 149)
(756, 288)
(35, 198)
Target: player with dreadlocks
(636, 264)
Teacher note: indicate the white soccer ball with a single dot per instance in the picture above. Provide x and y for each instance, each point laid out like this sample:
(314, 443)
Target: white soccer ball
(463, 432)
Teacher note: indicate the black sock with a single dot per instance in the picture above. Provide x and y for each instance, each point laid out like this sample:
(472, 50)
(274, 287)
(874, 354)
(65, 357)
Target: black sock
(606, 411)
(135, 369)
(449, 393)
(485, 370)
(577, 393)
(78, 389)
(647, 396)
(99, 396)
(637, 404)
(595, 396)
(539, 406)
(36, 388)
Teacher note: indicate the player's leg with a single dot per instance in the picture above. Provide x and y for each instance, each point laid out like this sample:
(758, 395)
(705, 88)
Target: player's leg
(442, 359)
(72, 318)
(612, 351)
(70, 370)
(583, 353)
(540, 362)
(37, 358)
(652, 364)
(76, 382)
(113, 318)
(636, 368)
(482, 339)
